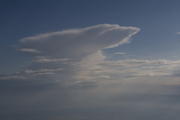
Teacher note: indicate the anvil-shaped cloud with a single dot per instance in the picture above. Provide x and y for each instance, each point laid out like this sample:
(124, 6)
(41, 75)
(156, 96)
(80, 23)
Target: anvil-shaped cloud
(76, 53)
(68, 51)
(77, 43)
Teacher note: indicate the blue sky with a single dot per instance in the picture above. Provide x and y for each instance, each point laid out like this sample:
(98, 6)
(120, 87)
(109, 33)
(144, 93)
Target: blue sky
(99, 55)
(158, 21)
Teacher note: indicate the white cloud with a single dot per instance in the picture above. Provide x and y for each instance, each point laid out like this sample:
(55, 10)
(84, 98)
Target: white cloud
(77, 43)
(73, 50)
(29, 50)
(12, 77)
(78, 53)
(121, 53)
(30, 73)
(178, 33)
(41, 71)
(130, 68)
(45, 60)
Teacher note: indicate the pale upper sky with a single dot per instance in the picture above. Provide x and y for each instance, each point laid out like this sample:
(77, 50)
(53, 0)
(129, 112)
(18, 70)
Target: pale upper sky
(84, 60)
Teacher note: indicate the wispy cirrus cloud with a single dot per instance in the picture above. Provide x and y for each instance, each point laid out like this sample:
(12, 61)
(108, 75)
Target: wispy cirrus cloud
(120, 53)
(29, 50)
(46, 60)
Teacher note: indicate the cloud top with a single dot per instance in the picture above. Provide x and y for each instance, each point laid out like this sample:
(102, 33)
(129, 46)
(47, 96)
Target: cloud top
(77, 42)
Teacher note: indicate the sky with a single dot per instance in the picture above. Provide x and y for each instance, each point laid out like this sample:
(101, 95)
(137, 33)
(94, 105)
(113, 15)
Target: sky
(89, 60)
